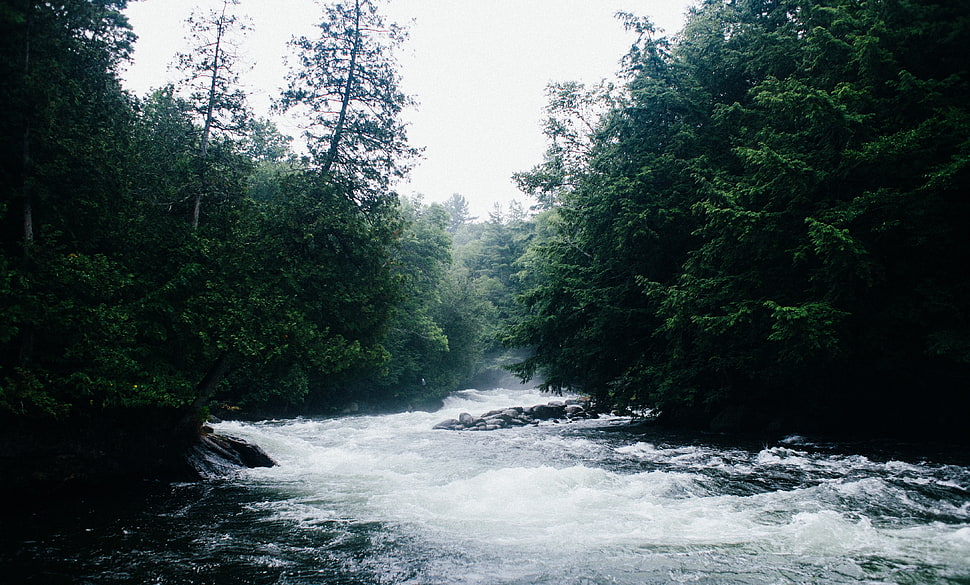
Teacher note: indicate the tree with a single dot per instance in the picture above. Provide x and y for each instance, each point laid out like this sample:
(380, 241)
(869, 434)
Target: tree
(415, 342)
(165, 158)
(64, 139)
(487, 275)
(264, 143)
(457, 208)
(280, 298)
(574, 113)
(55, 53)
(760, 219)
(213, 81)
(346, 85)
(622, 221)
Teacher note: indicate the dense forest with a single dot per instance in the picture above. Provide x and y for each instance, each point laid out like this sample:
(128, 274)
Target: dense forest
(172, 251)
(766, 226)
(763, 226)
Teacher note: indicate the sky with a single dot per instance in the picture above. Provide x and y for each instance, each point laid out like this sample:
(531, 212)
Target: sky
(478, 70)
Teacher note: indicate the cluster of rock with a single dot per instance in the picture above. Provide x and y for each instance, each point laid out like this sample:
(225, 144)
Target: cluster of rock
(518, 416)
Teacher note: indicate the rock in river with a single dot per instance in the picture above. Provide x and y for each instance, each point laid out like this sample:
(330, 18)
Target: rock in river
(222, 455)
(504, 418)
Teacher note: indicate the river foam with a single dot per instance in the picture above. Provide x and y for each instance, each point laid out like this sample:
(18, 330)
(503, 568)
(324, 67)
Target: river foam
(573, 503)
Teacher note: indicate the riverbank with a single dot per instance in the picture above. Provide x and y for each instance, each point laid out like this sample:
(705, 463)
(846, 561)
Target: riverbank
(46, 458)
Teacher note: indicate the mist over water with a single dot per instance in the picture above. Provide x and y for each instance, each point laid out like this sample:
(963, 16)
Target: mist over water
(386, 499)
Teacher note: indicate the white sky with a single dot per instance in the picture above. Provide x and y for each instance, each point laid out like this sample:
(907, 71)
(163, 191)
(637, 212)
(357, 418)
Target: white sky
(477, 68)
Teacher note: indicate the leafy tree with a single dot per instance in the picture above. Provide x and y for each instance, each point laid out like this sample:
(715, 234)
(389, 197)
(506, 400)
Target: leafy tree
(623, 218)
(574, 113)
(164, 159)
(761, 218)
(487, 275)
(345, 83)
(414, 340)
(262, 142)
(57, 54)
(212, 79)
(64, 131)
(801, 314)
(281, 298)
(463, 314)
(322, 284)
(458, 212)
(270, 150)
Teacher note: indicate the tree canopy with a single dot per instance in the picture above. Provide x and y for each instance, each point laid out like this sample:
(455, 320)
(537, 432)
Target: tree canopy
(769, 219)
(346, 83)
(306, 283)
(763, 226)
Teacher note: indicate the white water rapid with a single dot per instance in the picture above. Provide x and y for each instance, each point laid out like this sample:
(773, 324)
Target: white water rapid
(386, 499)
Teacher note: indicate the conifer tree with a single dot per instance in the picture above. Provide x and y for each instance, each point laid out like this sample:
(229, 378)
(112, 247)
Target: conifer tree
(770, 211)
(345, 84)
(212, 79)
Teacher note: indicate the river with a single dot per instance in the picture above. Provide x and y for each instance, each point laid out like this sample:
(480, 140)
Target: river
(387, 500)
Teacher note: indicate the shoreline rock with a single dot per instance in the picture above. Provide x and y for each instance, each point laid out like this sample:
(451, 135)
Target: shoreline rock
(518, 416)
(215, 456)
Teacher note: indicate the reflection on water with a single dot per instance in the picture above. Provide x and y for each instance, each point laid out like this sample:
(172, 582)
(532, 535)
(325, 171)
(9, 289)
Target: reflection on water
(385, 499)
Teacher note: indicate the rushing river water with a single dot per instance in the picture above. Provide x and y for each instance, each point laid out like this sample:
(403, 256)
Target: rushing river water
(386, 499)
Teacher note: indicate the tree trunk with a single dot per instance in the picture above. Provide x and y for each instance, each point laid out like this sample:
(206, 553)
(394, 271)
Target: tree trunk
(210, 107)
(207, 387)
(25, 161)
(204, 392)
(348, 92)
(28, 198)
(196, 210)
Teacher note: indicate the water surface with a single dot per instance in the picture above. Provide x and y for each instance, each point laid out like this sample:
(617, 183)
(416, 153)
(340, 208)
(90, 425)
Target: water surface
(386, 499)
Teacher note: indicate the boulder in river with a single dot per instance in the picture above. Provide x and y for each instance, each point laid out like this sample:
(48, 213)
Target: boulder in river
(574, 411)
(548, 411)
(451, 424)
(222, 455)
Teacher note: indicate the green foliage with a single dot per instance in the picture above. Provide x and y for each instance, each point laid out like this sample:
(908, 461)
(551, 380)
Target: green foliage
(434, 335)
(210, 71)
(491, 267)
(211, 80)
(770, 210)
(574, 112)
(346, 83)
(458, 212)
(64, 134)
(116, 296)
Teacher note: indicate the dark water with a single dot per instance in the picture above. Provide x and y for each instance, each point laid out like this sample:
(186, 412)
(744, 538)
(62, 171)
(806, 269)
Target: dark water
(381, 500)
